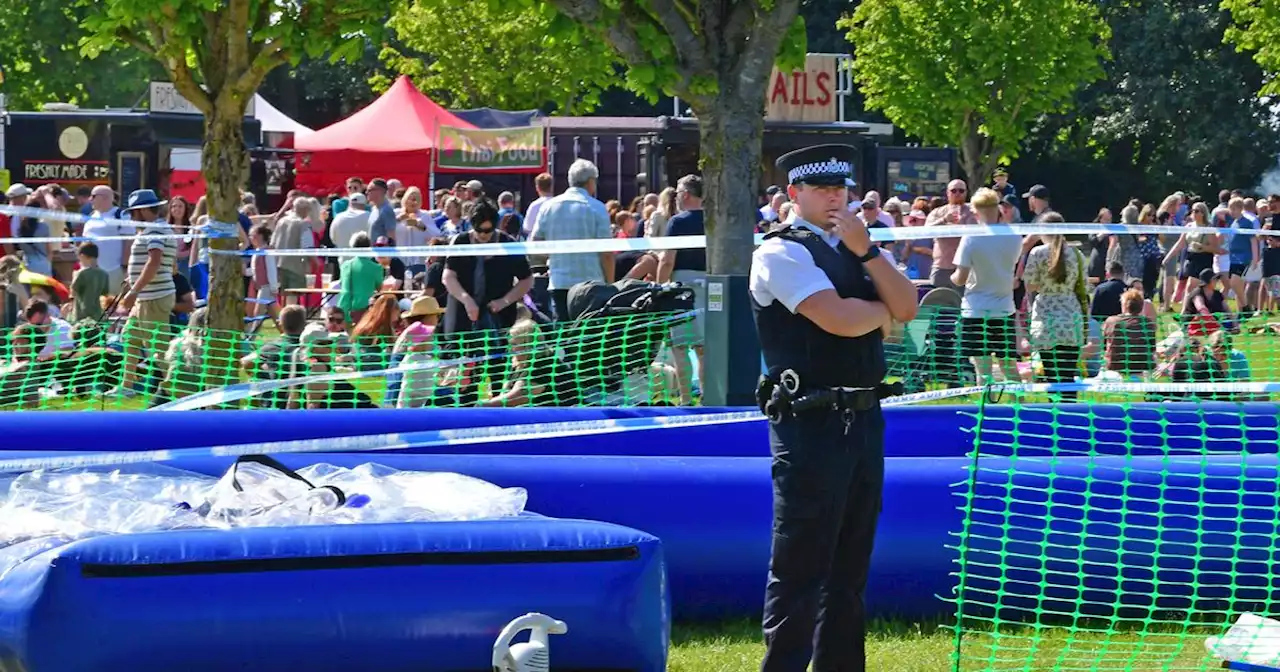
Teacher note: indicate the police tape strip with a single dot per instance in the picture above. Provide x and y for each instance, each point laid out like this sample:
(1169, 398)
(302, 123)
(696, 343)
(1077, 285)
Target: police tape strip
(552, 247)
(425, 439)
(239, 391)
(539, 431)
(211, 229)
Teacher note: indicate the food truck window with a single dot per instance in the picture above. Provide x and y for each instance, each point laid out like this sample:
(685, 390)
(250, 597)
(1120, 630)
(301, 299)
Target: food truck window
(131, 167)
(919, 178)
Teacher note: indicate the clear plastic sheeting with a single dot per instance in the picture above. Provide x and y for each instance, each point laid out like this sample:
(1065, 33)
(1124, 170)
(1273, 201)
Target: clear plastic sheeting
(42, 510)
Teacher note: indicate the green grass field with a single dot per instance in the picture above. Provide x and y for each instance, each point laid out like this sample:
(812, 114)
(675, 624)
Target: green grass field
(907, 647)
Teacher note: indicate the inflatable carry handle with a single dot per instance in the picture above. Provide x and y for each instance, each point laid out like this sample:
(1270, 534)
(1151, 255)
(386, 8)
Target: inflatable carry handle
(272, 463)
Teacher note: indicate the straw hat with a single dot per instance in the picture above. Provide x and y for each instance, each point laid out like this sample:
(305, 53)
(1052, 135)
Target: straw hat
(423, 306)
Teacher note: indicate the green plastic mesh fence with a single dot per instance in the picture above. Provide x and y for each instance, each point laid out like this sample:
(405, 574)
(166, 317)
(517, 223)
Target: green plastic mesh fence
(622, 361)
(941, 349)
(1115, 536)
(604, 361)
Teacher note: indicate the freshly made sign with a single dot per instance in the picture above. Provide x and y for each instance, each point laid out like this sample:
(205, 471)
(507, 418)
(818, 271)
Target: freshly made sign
(72, 172)
(522, 148)
(804, 95)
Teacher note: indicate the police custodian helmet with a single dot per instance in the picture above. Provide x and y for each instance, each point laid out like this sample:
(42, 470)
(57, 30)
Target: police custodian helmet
(820, 165)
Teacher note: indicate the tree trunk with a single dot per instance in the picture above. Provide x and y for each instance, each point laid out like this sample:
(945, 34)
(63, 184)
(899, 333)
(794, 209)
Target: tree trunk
(978, 159)
(225, 168)
(731, 135)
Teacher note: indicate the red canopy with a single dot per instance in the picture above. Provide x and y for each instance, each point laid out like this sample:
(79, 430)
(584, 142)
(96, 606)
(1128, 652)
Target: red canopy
(390, 138)
(401, 120)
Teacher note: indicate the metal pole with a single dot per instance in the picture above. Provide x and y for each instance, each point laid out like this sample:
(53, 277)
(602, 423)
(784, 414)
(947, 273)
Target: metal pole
(552, 142)
(619, 169)
(675, 105)
(4, 121)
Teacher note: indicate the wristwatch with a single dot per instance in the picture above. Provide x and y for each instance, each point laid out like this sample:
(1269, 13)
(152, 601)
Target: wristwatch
(872, 253)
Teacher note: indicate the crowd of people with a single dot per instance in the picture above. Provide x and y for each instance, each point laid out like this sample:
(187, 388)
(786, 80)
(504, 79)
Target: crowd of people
(1043, 308)
(364, 312)
(1036, 308)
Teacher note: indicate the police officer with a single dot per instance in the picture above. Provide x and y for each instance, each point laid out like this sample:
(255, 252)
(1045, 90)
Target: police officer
(823, 294)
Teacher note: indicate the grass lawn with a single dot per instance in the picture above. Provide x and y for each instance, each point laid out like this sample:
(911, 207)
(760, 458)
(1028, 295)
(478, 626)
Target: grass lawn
(904, 647)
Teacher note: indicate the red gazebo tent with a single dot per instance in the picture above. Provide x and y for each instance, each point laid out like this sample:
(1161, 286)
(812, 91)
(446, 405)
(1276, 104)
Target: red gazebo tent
(393, 137)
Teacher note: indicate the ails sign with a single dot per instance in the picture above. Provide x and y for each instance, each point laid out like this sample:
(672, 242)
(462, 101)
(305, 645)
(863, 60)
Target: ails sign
(807, 95)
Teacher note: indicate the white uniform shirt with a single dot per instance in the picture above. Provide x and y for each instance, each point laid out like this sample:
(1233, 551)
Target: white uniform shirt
(785, 271)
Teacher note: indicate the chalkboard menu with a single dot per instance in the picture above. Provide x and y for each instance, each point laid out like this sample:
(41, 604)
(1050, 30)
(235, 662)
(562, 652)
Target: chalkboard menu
(132, 171)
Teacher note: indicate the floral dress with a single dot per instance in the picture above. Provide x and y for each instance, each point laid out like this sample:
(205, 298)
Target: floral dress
(1127, 253)
(1056, 317)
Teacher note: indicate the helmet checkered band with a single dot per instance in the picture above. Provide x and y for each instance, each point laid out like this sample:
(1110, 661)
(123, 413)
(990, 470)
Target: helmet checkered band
(829, 167)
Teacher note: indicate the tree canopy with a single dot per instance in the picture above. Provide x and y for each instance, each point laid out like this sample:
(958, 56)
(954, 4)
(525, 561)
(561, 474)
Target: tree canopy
(217, 53)
(1255, 28)
(974, 75)
(42, 61)
(503, 55)
(716, 57)
(1178, 110)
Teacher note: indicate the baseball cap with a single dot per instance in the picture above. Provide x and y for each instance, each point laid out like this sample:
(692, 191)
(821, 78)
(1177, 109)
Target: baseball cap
(358, 199)
(18, 189)
(418, 333)
(1039, 191)
(315, 334)
(475, 185)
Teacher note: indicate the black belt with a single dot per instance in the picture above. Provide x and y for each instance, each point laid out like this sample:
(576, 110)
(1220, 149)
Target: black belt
(781, 395)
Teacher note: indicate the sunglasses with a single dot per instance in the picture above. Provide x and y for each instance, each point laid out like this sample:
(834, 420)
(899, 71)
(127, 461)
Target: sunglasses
(483, 232)
(958, 191)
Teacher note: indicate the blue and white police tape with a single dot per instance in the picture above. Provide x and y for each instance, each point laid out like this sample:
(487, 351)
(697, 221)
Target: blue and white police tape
(595, 246)
(423, 439)
(538, 431)
(241, 391)
(211, 229)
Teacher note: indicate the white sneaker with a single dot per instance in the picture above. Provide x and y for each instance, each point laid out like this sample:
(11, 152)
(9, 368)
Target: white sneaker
(127, 393)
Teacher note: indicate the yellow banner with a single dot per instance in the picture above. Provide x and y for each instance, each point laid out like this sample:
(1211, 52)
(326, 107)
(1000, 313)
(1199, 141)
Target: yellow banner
(493, 149)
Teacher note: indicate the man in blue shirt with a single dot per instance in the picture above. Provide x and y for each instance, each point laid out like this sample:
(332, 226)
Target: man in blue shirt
(382, 215)
(1243, 249)
(575, 215)
(687, 267)
(507, 206)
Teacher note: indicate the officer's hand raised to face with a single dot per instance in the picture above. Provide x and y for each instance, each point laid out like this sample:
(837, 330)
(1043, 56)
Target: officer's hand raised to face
(851, 231)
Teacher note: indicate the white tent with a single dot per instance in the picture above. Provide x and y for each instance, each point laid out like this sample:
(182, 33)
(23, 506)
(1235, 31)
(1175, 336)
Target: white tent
(273, 120)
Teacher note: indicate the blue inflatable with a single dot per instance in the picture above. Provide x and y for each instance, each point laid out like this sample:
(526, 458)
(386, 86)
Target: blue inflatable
(705, 491)
(396, 598)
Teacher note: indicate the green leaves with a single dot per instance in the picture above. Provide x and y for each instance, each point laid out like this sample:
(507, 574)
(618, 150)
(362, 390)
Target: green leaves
(40, 52)
(1256, 28)
(502, 54)
(974, 74)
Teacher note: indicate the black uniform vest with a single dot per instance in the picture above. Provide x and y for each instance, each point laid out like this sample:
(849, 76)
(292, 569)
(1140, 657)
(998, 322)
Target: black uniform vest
(791, 341)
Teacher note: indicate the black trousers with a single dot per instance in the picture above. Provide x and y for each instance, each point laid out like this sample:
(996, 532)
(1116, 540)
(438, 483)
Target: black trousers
(560, 304)
(827, 483)
(1061, 365)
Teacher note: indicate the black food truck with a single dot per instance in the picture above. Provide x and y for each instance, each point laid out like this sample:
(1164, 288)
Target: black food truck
(636, 155)
(125, 149)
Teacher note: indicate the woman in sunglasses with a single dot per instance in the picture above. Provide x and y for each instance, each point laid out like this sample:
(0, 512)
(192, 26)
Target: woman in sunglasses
(483, 294)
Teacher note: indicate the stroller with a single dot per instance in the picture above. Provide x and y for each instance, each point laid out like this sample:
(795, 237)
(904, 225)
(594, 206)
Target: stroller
(618, 330)
(930, 344)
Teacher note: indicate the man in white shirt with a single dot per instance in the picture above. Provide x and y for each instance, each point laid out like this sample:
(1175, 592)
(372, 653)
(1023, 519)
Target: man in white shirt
(57, 331)
(985, 268)
(349, 222)
(105, 222)
(543, 184)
